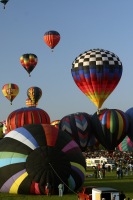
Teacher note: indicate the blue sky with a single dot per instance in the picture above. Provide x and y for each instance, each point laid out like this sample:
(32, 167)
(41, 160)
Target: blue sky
(83, 25)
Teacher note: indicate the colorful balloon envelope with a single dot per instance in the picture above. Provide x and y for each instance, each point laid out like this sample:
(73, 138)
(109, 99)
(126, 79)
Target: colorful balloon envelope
(29, 62)
(96, 73)
(25, 116)
(79, 126)
(111, 127)
(37, 154)
(126, 145)
(51, 38)
(10, 91)
(34, 94)
(29, 103)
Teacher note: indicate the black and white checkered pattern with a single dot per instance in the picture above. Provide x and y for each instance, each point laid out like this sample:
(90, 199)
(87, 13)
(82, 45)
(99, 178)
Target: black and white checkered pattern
(96, 57)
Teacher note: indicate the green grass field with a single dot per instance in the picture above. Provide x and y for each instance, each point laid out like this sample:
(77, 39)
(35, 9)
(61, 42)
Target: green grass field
(125, 184)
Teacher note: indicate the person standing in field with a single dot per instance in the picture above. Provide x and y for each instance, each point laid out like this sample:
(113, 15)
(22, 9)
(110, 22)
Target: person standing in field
(103, 170)
(122, 196)
(61, 189)
(48, 189)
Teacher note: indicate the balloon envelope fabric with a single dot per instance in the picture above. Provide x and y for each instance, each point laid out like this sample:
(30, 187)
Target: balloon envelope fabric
(79, 126)
(51, 38)
(129, 112)
(111, 127)
(30, 103)
(37, 154)
(26, 115)
(126, 145)
(29, 62)
(97, 72)
(55, 123)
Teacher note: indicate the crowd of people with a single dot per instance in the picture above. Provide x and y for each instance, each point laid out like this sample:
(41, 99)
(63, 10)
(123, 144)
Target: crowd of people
(123, 165)
(124, 159)
(123, 162)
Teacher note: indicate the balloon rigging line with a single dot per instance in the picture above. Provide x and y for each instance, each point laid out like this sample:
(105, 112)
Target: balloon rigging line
(61, 179)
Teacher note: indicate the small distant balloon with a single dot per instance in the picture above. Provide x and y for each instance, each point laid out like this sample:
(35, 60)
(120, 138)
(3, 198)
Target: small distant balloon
(10, 91)
(29, 62)
(34, 94)
(51, 38)
(4, 2)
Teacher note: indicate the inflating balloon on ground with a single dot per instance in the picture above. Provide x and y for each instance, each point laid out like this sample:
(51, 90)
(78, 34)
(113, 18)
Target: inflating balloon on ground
(26, 115)
(37, 154)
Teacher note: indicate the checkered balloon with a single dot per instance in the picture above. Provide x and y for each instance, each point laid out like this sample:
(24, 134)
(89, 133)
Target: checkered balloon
(97, 72)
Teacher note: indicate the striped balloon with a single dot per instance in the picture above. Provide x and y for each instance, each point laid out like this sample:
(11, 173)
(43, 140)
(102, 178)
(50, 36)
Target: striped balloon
(51, 38)
(111, 127)
(26, 115)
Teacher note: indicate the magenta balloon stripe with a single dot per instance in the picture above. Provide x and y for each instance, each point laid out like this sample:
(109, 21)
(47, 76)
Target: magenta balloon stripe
(69, 146)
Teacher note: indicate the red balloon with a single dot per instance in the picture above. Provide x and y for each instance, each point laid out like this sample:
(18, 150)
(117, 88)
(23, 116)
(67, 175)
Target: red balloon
(51, 38)
(25, 116)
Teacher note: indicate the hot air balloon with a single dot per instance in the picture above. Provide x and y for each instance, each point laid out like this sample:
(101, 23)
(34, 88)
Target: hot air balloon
(24, 116)
(126, 145)
(29, 62)
(29, 103)
(111, 127)
(129, 112)
(37, 154)
(51, 38)
(34, 94)
(55, 123)
(10, 91)
(78, 125)
(96, 73)
(4, 2)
